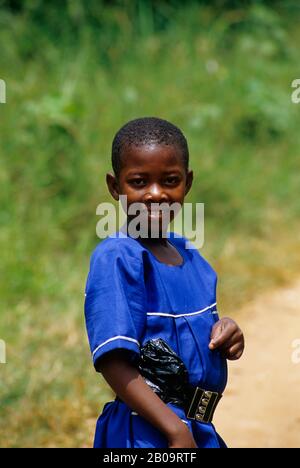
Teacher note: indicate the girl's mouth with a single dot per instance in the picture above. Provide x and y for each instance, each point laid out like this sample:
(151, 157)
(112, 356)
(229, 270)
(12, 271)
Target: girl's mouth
(155, 209)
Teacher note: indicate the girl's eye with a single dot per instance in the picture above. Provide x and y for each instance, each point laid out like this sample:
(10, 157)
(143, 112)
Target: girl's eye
(137, 182)
(172, 180)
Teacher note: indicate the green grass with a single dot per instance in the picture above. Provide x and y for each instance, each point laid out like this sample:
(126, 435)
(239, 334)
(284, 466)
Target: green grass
(225, 79)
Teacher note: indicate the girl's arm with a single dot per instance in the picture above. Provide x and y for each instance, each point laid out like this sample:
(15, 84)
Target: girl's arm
(129, 385)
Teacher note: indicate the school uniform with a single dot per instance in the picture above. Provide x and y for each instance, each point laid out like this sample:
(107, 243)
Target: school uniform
(132, 297)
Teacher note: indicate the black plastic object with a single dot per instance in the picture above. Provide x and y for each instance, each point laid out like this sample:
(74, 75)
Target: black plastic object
(164, 371)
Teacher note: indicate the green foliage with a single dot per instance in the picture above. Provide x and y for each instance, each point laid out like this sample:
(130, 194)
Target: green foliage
(75, 72)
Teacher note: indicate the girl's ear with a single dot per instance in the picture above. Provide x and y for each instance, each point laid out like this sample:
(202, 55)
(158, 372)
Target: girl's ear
(189, 182)
(112, 185)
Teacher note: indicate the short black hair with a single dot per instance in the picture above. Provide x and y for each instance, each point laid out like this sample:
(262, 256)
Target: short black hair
(147, 130)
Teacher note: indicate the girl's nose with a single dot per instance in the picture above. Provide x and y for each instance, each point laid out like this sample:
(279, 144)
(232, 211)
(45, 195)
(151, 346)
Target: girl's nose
(155, 195)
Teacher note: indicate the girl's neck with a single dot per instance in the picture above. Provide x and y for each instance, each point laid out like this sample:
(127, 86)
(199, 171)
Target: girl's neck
(148, 241)
(160, 240)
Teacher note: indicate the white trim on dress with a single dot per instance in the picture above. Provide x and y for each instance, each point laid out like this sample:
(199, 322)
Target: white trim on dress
(119, 337)
(161, 314)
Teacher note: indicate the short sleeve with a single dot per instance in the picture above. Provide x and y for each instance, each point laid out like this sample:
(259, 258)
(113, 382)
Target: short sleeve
(115, 311)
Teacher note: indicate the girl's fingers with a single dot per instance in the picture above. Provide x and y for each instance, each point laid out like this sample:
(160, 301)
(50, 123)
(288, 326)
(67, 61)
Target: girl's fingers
(234, 352)
(222, 334)
(215, 335)
(234, 348)
(216, 331)
(236, 338)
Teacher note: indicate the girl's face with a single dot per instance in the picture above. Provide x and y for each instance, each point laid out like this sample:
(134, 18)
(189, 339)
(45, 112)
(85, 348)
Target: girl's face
(152, 173)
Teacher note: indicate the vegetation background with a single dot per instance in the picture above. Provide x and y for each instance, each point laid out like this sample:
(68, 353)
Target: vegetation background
(75, 71)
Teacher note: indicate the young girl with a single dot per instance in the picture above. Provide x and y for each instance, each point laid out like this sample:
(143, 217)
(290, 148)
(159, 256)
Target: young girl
(150, 307)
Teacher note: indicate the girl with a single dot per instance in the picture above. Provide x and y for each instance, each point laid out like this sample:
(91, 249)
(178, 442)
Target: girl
(150, 307)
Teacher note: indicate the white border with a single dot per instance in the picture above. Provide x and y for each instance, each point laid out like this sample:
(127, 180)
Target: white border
(161, 314)
(119, 337)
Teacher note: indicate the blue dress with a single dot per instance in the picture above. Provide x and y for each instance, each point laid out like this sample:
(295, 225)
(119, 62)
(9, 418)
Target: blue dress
(132, 297)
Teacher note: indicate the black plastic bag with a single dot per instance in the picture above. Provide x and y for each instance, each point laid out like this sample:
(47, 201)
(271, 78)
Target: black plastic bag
(164, 371)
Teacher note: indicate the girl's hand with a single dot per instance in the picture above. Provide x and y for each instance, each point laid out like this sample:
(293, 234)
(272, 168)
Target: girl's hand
(182, 439)
(228, 338)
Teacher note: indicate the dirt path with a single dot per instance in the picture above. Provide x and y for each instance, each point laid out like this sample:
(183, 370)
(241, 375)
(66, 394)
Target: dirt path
(261, 405)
